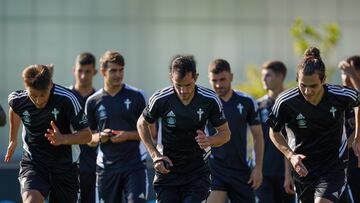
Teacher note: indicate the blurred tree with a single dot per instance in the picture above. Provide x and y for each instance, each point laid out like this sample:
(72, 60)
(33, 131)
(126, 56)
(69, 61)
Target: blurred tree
(326, 39)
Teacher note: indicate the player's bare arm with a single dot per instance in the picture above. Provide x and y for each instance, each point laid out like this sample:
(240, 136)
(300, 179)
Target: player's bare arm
(295, 159)
(15, 122)
(55, 137)
(356, 143)
(256, 174)
(122, 136)
(288, 181)
(158, 159)
(221, 137)
(350, 72)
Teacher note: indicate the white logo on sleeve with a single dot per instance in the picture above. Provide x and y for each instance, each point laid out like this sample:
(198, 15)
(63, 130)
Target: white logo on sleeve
(55, 113)
(333, 110)
(127, 103)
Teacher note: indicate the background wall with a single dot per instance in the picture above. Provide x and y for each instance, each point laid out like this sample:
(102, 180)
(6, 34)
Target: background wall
(149, 32)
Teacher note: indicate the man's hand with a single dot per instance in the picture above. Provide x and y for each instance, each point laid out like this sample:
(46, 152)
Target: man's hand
(356, 148)
(255, 178)
(10, 150)
(299, 167)
(54, 135)
(202, 139)
(105, 135)
(289, 184)
(118, 136)
(162, 164)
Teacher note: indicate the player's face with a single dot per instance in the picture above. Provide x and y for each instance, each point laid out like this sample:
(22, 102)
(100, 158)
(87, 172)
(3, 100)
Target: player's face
(39, 97)
(270, 79)
(84, 74)
(221, 82)
(184, 87)
(113, 75)
(311, 86)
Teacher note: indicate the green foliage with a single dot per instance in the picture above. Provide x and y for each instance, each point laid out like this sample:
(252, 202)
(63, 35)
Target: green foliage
(325, 38)
(252, 85)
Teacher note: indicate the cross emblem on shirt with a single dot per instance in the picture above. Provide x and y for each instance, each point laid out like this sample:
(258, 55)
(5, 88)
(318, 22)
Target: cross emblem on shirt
(333, 110)
(127, 102)
(200, 113)
(240, 107)
(55, 112)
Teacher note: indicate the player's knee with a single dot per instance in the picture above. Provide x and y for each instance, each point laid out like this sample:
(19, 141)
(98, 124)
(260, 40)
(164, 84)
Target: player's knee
(32, 196)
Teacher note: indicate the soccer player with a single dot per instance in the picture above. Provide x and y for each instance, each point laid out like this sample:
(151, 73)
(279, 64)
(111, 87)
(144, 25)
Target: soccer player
(181, 172)
(350, 72)
(272, 188)
(313, 114)
(84, 71)
(230, 171)
(2, 116)
(113, 112)
(54, 124)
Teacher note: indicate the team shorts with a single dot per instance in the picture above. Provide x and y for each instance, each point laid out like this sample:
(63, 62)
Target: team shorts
(57, 187)
(234, 183)
(330, 186)
(133, 183)
(87, 187)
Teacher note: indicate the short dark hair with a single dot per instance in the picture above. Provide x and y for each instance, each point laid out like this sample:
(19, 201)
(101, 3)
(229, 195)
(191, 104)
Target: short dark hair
(37, 77)
(183, 64)
(111, 57)
(311, 63)
(219, 65)
(277, 66)
(85, 58)
(356, 61)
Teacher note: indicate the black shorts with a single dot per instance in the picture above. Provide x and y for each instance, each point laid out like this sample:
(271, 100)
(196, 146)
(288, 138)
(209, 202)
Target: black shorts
(59, 187)
(272, 191)
(195, 191)
(134, 184)
(330, 186)
(234, 183)
(87, 187)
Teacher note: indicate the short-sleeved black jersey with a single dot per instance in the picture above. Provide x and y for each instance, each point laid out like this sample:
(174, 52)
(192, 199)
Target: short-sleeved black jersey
(118, 112)
(65, 110)
(180, 122)
(87, 161)
(273, 164)
(315, 131)
(240, 111)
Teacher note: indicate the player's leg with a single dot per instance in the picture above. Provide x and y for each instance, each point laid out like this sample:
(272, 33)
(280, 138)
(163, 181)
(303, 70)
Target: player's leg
(218, 187)
(265, 193)
(304, 192)
(280, 195)
(136, 186)
(354, 177)
(34, 185)
(87, 187)
(217, 196)
(330, 186)
(197, 191)
(110, 186)
(240, 190)
(32, 196)
(166, 194)
(65, 187)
